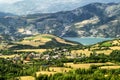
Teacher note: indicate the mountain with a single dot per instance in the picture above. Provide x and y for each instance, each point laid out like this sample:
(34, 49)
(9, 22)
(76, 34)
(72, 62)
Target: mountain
(92, 20)
(23, 7)
(2, 14)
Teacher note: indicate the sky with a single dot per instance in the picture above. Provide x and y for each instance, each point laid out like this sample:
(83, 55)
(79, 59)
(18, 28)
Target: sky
(63, 1)
(44, 6)
(9, 1)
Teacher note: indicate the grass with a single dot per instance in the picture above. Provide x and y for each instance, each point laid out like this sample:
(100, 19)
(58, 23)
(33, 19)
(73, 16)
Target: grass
(27, 78)
(45, 72)
(8, 56)
(107, 52)
(59, 69)
(86, 52)
(110, 67)
(38, 40)
(106, 44)
(53, 70)
(115, 48)
(86, 65)
(32, 50)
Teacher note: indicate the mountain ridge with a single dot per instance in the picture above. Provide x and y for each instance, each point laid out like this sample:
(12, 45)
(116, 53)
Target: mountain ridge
(92, 20)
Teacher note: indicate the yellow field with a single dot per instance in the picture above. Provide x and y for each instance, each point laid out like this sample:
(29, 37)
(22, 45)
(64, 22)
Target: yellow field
(115, 48)
(59, 69)
(27, 78)
(1, 47)
(32, 50)
(8, 56)
(45, 72)
(86, 52)
(53, 70)
(86, 65)
(107, 52)
(110, 67)
(116, 42)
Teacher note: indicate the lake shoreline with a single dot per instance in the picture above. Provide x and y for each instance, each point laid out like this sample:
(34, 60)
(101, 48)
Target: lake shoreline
(87, 40)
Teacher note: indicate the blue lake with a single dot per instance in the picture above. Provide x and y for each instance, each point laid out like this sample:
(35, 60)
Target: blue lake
(87, 40)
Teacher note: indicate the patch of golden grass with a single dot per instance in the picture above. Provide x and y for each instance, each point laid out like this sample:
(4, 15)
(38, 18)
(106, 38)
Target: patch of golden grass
(1, 47)
(63, 41)
(27, 78)
(32, 50)
(107, 52)
(45, 72)
(53, 70)
(86, 52)
(42, 40)
(59, 69)
(115, 48)
(110, 67)
(85, 22)
(8, 56)
(86, 65)
(36, 40)
(116, 42)
(76, 66)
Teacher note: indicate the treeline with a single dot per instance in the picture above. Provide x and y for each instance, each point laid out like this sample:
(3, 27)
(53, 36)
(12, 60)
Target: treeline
(84, 74)
(10, 70)
(97, 58)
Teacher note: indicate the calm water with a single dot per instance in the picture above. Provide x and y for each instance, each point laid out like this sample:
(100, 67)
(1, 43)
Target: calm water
(87, 40)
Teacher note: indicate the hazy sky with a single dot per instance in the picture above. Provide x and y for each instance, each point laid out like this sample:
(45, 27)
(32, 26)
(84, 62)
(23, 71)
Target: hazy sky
(44, 6)
(8, 1)
(65, 1)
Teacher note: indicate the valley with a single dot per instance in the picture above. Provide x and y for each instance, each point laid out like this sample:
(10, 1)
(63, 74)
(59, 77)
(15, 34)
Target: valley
(75, 41)
(65, 57)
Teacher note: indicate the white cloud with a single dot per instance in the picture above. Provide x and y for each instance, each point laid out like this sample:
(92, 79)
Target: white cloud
(9, 1)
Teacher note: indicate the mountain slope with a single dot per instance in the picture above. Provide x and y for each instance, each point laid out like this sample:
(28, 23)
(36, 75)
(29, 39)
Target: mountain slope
(41, 41)
(96, 20)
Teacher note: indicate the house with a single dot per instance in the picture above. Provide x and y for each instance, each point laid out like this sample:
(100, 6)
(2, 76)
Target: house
(56, 57)
(46, 57)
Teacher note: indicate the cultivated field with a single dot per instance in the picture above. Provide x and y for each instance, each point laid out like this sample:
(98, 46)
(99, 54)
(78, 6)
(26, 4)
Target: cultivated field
(27, 78)
(110, 67)
(115, 48)
(53, 70)
(86, 52)
(59, 69)
(107, 52)
(45, 72)
(86, 65)
(32, 50)
(8, 56)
